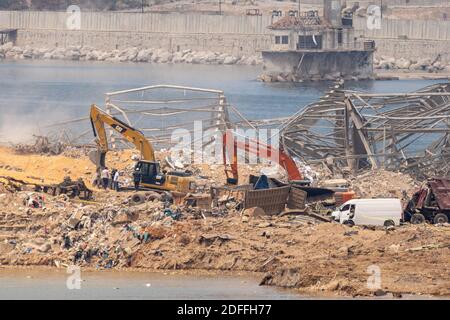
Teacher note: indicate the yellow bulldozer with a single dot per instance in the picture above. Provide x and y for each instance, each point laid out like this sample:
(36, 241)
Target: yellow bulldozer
(147, 170)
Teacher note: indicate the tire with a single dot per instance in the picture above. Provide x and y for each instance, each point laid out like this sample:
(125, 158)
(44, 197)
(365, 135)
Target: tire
(440, 218)
(418, 218)
(389, 223)
(138, 198)
(152, 196)
(349, 223)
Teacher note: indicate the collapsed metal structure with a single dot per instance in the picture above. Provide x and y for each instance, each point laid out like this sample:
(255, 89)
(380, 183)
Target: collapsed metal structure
(354, 130)
(345, 130)
(157, 111)
(161, 109)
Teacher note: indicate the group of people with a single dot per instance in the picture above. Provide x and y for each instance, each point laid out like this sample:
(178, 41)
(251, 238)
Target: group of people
(110, 179)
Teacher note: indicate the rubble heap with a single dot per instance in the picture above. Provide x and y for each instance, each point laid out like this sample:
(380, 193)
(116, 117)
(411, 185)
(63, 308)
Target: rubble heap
(42, 145)
(388, 184)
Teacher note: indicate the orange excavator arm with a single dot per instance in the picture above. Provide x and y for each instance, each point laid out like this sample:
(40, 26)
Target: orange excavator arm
(231, 146)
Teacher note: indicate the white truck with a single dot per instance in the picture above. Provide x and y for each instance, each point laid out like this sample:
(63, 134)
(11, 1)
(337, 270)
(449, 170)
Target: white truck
(372, 212)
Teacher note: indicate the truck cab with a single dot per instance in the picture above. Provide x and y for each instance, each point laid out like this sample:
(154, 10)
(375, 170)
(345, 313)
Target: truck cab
(344, 213)
(375, 212)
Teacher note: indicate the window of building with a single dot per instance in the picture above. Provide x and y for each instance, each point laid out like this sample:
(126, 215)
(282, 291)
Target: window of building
(285, 39)
(309, 42)
(339, 36)
(277, 39)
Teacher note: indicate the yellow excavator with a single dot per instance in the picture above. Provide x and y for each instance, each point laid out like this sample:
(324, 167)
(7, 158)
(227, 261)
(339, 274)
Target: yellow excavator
(148, 170)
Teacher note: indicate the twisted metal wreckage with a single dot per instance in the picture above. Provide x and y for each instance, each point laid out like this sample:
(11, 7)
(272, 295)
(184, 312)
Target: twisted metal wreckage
(354, 130)
(345, 130)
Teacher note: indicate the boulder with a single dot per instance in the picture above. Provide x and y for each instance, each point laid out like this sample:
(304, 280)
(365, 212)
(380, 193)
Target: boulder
(165, 57)
(403, 63)
(144, 55)
(387, 63)
(265, 78)
(281, 78)
(132, 54)
(73, 55)
(177, 57)
(230, 60)
(6, 47)
(92, 56)
(48, 56)
(254, 212)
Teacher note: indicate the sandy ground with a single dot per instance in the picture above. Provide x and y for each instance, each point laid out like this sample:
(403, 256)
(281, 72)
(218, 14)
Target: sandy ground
(44, 169)
(326, 258)
(315, 259)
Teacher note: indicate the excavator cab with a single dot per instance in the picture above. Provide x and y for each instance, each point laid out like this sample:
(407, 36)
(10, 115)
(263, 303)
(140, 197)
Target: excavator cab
(150, 173)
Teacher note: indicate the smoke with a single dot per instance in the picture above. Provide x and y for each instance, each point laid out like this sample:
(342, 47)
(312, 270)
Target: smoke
(20, 125)
(17, 129)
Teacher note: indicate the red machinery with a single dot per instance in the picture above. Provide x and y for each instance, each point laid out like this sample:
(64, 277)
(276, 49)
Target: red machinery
(257, 148)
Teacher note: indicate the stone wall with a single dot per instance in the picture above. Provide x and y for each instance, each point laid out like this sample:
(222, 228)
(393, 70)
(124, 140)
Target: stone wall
(414, 49)
(412, 39)
(236, 35)
(235, 44)
(132, 21)
(411, 29)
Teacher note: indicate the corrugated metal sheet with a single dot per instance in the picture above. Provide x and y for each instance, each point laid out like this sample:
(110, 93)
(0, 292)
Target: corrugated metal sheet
(297, 199)
(272, 201)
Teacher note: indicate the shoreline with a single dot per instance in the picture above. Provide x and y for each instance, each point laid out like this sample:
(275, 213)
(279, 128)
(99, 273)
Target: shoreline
(245, 275)
(411, 75)
(11, 53)
(132, 54)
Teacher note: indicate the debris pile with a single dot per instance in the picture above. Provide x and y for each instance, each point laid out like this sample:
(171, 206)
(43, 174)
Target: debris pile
(225, 229)
(388, 184)
(397, 131)
(39, 229)
(42, 145)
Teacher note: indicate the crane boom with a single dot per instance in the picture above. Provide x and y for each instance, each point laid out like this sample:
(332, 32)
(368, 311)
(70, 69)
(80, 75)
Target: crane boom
(99, 118)
(231, 145)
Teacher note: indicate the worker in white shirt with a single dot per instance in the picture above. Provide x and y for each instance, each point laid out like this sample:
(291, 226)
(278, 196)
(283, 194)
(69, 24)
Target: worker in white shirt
(116, 180)
(105, 178)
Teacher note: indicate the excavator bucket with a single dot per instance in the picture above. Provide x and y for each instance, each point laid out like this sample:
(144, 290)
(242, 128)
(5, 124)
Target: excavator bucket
(98, 158)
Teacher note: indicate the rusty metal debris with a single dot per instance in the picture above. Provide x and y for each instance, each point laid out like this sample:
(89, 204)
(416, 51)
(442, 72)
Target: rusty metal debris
(41, 145)
(350, 130)
(345, 131)
(157, 111)
(68, 187)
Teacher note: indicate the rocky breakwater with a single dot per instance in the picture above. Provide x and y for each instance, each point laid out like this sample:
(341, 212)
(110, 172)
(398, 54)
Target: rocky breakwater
(425, 64)
(294, 77)
(134, 54)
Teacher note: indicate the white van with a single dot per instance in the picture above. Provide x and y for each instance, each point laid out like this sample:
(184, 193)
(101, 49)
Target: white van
(371, 212)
